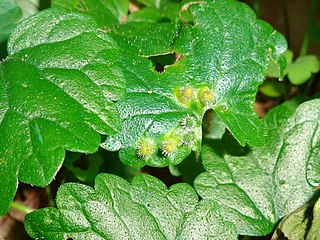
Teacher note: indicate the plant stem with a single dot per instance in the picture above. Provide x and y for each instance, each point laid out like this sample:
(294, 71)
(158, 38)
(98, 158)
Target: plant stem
(256, 7)
(21, 207)
(50, 198)
(308, 88)
(306, 38)
(286, 20)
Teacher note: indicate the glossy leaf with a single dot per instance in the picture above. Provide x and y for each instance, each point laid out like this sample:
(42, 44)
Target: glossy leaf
(258, 189)
(105, 12)
(146, 209)
(221, 60)
(144, 39)
(56, 89)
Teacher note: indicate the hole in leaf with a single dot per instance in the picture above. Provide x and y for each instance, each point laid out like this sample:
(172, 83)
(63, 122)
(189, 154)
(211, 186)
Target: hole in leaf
(160, 61)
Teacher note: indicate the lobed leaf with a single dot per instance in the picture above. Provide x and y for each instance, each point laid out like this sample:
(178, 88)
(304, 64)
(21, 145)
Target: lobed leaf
(56, 92)
(258, 189)
(146, 209)
(221, 60)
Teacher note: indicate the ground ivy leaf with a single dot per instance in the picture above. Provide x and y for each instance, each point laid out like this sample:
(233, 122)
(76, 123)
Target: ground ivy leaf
(146, 209)
(152, 128)
(228, 49)
(258, 189)
(221, 60)
(105, 12)
(54, 96)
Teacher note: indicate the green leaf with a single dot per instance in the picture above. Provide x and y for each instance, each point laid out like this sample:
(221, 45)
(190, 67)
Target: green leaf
(105, 12)
(301, 70)
(145, 39)
(56, 94)
(258, 189)
(146, 209)
(301, 224)
(230, 53)
(278, 70)
(10, 14)
(221, 60)
(273, 88)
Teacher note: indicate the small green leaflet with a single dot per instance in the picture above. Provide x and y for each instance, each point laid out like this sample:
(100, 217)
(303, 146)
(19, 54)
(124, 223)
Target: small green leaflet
(56, 92)
(146, 209)
(222, 59)
(302, 69)
(258, 189)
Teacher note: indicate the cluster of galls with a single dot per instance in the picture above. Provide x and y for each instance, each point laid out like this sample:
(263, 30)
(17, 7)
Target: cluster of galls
(185, 134)
(204, 95)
